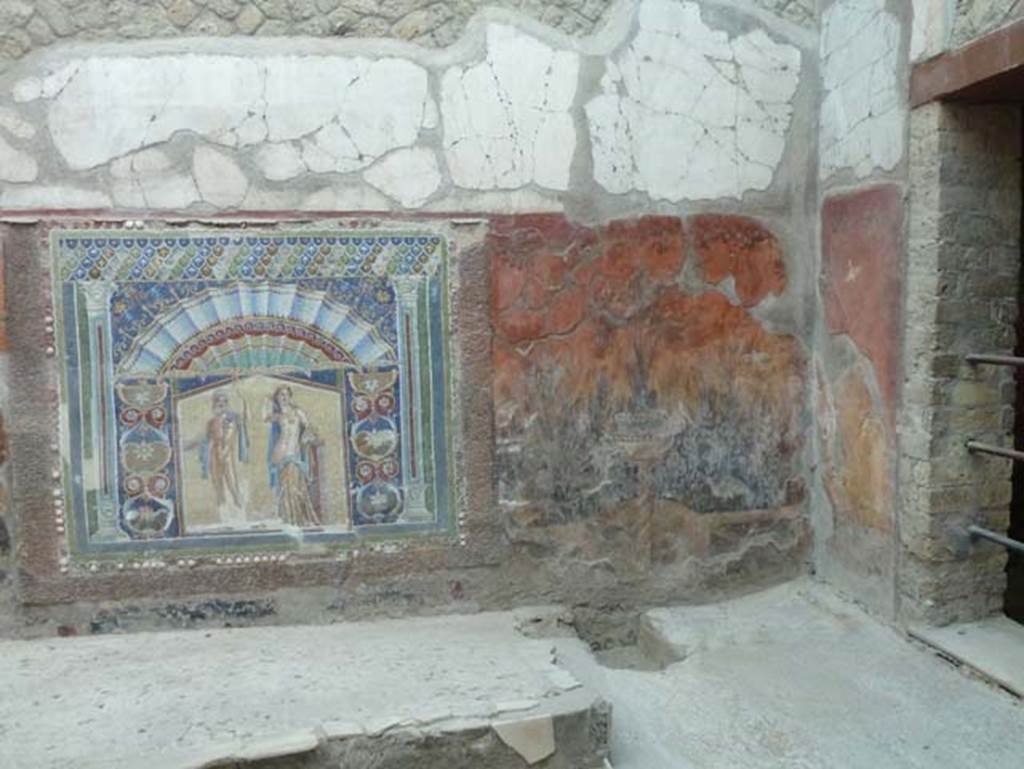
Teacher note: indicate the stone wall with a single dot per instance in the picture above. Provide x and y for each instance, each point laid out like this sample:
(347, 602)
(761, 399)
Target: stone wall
(943, 25)
(648, 373)
(975, 18)
(32, 24)
(962, 278)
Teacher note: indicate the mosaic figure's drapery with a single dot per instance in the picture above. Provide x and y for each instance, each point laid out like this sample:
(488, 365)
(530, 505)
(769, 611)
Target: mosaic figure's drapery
(235, 388)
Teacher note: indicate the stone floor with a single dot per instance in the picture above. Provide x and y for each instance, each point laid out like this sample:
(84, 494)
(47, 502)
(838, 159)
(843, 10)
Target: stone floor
(792, 677)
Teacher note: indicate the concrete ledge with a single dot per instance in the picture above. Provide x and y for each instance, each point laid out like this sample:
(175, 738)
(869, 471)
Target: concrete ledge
(446, 691)
(993, 648)
(988, 69)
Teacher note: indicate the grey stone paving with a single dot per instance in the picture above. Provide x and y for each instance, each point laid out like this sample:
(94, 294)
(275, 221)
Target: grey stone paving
(794, 678)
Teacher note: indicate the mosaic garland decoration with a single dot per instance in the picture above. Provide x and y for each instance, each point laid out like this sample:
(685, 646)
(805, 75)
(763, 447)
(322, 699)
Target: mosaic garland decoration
(235, 388)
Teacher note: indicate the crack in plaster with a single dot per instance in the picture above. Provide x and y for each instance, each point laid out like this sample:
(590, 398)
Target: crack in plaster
(685, 111)
(684, 91)
(862, 121)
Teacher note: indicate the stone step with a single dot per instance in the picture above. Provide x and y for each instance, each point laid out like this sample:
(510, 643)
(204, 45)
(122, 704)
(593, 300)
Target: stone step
(453, 692)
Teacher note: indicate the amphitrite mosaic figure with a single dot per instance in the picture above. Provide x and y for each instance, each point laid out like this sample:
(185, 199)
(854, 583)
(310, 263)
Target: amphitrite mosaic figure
(293, 460)
(225, 445)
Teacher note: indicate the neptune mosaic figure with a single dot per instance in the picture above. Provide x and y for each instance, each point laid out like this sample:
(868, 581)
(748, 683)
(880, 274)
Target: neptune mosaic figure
(225, 444)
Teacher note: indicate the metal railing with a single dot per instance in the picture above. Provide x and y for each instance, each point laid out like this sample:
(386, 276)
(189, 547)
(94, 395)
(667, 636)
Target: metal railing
(975, 532)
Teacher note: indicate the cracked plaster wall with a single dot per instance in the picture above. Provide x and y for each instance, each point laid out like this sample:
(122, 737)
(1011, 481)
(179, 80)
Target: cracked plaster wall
(669, 107)
(864, 49)
(537, 120)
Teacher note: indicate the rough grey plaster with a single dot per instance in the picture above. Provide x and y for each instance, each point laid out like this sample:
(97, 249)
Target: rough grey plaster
(863, 567)
(30, 24)
(975, 18)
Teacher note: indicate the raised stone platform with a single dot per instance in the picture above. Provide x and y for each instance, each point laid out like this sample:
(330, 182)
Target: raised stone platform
(462, 691)
(796, 678)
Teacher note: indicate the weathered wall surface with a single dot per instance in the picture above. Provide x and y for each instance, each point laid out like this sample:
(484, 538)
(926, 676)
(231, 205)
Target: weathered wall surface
(31, 24)
(941, 25)
(975, 18)
(896, 471)
(634, 199)
(962, 283)
(646, 427)
(509, 110)
(862, 167)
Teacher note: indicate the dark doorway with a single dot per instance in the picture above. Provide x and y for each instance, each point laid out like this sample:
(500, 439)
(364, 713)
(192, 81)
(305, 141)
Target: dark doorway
(1015, 565)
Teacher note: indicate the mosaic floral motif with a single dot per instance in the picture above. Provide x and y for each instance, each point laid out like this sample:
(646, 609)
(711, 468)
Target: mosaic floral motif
(230, 389)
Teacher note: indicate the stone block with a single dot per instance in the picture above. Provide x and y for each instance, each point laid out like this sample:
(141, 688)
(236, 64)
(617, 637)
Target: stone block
(249, 19)
(182, 12)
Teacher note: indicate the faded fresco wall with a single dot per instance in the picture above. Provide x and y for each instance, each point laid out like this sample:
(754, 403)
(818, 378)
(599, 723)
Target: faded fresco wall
(862, 167)
(624, 405)
(646, 422)
(919, 267)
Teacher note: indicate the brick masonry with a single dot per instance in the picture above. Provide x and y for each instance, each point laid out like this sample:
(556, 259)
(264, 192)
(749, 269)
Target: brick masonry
(961, 297)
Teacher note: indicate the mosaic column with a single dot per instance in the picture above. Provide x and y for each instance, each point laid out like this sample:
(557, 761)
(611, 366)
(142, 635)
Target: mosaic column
(100, 475)
(4, 413)
(408, 291)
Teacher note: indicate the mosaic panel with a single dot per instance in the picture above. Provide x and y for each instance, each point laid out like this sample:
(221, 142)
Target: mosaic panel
(229, 389)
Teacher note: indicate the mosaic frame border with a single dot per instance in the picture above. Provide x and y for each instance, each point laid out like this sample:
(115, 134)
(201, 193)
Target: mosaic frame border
(250, 547)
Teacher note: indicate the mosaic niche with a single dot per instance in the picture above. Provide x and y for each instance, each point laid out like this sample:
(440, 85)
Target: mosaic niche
(238, 388)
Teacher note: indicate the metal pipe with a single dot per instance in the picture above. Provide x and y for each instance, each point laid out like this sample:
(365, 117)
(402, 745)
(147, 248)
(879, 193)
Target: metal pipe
(977, 532)
(997, 360)
(999, 451)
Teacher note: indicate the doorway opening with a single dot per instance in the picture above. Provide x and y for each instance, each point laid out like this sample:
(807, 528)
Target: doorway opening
(1014, 599)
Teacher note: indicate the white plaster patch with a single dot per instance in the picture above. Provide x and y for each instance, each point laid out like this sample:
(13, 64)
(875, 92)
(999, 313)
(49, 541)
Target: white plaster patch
(345, 198)
(862, 114)
(258, 199)
(280, 161)
(15, 124)
(45, 86)
(147, 179)
(52, 196)
(410, 176)
(497, 202)
(687, 113)
(928, 33)
(507, 120)
(16, 165)
(219, 179)
(377, 105)
(532, 738)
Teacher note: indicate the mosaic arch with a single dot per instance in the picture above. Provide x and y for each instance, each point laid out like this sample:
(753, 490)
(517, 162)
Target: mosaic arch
(240, 388)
